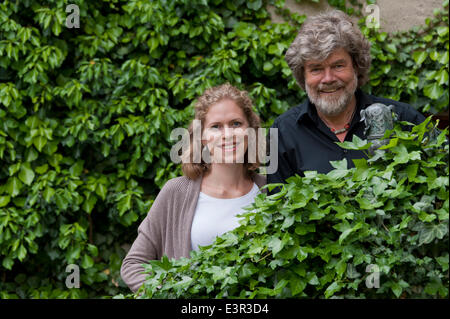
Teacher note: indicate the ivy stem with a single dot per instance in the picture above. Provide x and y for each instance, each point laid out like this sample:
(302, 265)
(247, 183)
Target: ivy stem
(264, 257)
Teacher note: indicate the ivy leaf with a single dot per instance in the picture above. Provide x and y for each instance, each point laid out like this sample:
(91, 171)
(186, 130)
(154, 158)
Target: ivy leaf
(268, 66)
(275, 244)
(13, 186)
(429, 232)
(402, 154)
(89, 203)
(411, 170)
(396, 289)
(288, 221)
(39, 142)
(442, 31)
(26, 174)
(391, 47)
(124, 203)
(419, 57)
(433, 90)
(101, 190)
(301, 254)
(8, 262)
(442, 77)
(348, 231)
(254, 5)
(435, 286)
(443, 261)
(76, 169)
(392, 142)
(48, 193)
(4, 200)
(22, 253)
(61, 201)
(129, 218)
(297, 285)
(242, 29)
(342, 164)
(356, 144)
(352, 273)
(443, 58)
(434, 55)
(14, 168)
(73, 253)
(332, 289)
(87, 262)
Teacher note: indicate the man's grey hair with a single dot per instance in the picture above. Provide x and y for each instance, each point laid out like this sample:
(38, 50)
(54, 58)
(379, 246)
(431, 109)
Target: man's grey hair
(322, 34)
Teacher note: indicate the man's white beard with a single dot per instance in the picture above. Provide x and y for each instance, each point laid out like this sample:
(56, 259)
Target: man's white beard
(333, 105)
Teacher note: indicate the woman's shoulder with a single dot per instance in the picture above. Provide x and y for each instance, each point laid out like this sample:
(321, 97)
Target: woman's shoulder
(178, 185)
(174, 192)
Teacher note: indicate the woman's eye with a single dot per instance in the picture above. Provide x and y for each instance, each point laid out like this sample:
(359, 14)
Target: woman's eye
(215, 126)
(236, 124)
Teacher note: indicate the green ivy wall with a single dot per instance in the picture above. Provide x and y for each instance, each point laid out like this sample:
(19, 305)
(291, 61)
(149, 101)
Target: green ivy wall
(86, 114)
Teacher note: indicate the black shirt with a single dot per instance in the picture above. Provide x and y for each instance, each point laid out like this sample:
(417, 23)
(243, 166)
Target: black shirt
(305, 143)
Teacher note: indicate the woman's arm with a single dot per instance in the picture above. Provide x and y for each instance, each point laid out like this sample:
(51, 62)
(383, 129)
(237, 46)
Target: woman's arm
(142, 250)
(148, 244)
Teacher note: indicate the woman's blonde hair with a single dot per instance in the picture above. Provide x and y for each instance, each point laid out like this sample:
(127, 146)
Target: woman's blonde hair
(210, 97)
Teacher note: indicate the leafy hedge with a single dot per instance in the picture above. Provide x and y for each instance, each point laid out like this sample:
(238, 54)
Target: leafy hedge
(325, 235)
(86, 116)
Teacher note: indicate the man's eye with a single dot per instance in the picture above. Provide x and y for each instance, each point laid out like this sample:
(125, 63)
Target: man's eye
(315, 70)
(339, 66)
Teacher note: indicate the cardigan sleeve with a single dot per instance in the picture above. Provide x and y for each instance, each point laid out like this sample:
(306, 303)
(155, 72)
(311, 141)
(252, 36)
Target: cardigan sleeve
(148, 244)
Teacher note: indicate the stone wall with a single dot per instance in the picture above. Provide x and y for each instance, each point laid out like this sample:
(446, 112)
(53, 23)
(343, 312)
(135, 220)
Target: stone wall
(395, 15)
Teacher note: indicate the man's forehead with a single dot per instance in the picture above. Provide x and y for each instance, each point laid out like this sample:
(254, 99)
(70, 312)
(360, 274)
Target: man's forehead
(338, 55)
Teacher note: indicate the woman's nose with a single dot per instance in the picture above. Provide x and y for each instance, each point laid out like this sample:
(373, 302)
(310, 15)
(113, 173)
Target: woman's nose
(228, 131)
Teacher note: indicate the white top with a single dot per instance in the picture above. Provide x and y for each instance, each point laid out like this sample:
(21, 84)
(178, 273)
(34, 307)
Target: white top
(216, 216)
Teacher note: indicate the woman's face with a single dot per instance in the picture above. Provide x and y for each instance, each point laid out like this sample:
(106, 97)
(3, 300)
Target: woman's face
(224, 132)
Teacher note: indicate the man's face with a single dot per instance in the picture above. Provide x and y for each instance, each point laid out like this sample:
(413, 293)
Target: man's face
(331, 83)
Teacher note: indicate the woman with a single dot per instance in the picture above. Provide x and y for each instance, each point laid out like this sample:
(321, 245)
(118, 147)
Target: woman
(192, 210)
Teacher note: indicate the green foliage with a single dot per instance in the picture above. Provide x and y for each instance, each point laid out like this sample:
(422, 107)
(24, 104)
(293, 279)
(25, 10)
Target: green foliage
(412, 66)
(317, 236)
(86, 116)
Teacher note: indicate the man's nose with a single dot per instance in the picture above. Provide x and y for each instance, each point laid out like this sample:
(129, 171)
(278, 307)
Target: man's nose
(328, 76)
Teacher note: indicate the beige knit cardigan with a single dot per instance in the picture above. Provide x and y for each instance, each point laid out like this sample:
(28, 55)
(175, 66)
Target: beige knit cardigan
(166, 230)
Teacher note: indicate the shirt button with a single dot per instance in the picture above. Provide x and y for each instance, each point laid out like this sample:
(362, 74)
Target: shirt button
(345, 151)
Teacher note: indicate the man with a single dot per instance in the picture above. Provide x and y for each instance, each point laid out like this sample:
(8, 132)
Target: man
(330, 59)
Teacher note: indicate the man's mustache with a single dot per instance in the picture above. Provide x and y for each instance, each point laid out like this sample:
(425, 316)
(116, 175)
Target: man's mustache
(334, 86)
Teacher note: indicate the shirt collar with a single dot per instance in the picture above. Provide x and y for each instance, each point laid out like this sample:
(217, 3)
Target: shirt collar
(363, 100)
